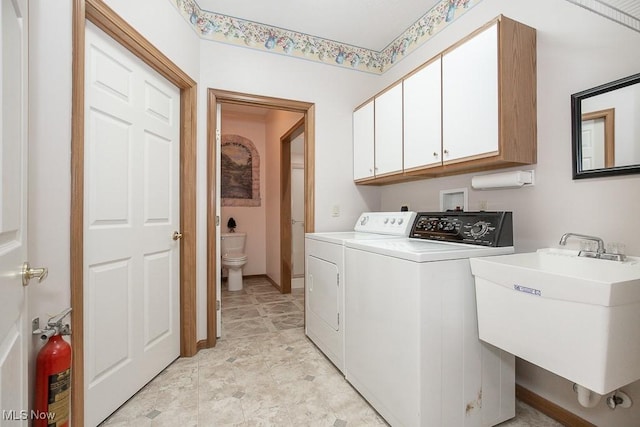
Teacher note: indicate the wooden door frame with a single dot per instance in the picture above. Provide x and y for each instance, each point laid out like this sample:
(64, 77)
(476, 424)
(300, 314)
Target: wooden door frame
(286, 246)
(215, 96)
(108, 21)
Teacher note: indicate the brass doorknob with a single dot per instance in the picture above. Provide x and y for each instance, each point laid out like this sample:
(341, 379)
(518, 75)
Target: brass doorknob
(177, 235)
(29, 273)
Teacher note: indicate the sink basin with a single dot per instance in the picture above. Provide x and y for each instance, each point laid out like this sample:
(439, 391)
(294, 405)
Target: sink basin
(577, 317)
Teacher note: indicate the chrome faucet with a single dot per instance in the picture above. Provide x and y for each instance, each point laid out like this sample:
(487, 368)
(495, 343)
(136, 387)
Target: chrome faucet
(565, 236)
(599, 253)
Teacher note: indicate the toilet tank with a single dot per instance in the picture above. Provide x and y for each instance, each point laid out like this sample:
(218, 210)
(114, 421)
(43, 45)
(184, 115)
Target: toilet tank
(232, 242)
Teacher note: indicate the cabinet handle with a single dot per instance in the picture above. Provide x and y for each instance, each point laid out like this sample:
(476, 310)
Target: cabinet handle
(446, 151)
(435, 154)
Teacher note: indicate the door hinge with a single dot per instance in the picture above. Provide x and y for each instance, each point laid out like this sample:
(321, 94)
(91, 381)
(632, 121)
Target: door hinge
(338, 279)
(217, 220)
(218, 135)
(217, 305)
(338, 318)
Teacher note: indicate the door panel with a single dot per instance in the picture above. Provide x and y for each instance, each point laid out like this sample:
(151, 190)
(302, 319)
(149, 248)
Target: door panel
(108, 293)
(157, 195)
(323, 290)
(363, 142)
(132, 153)
(109, 177)
(422, 117)
(14, 336)
(388, 131)
(593, 146)
(470, 97)
(157, 293)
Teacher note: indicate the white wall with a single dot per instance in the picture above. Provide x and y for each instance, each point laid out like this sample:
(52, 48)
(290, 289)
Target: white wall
(49, 154)
(577, 50)
(160, 22)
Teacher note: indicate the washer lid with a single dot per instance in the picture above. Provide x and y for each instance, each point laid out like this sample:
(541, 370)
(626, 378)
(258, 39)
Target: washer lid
(341, 236)
(426, 251)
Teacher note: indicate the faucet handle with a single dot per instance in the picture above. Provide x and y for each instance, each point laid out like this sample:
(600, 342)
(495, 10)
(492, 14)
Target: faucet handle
(588, 246)
(616, 248)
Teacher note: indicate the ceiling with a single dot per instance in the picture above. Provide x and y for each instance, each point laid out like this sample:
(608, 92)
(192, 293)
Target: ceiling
(371, 24)
(625, 12)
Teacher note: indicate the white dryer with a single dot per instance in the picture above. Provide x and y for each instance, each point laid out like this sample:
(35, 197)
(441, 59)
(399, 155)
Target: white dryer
(325, 278)
(411, 331)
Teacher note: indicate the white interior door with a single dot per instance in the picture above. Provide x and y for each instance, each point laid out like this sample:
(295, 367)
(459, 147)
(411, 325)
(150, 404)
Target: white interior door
(297, 224)
(131, 210)
(593, 144)
(217, 225)
(14, 337)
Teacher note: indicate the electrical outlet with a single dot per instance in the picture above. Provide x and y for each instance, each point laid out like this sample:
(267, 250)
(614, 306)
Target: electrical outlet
(483, 205)
(335, 211)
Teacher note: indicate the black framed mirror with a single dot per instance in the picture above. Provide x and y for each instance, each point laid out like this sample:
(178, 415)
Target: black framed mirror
(605, 129)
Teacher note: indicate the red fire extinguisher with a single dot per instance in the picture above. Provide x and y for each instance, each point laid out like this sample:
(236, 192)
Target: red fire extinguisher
(53, 375)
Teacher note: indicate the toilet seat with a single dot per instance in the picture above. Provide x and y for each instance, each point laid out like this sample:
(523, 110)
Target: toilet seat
(234, 257)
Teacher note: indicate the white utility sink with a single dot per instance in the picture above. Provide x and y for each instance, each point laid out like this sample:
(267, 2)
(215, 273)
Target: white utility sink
(575, 316)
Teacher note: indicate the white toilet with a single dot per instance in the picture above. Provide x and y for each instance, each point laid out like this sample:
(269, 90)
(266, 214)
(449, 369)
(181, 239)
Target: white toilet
(233, 257)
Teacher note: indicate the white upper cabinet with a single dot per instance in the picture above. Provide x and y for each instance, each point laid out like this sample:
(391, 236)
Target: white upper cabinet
(470, 108)
(470, 97)
(363, 142)
(422, 117)
(388, 131)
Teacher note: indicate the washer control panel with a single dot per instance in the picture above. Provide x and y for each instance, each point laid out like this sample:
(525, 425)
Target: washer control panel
(477, 228)
(394, 223)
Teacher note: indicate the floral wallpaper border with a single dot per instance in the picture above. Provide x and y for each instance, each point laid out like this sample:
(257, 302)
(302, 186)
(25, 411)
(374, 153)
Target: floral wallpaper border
(227, 29)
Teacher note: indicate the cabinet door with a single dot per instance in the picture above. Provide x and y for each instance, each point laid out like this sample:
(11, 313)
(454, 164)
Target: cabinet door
(470, 97)
(388, 131)
(363, 141)
(422, 117)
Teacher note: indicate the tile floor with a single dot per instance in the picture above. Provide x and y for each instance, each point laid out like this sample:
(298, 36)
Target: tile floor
(263, 372)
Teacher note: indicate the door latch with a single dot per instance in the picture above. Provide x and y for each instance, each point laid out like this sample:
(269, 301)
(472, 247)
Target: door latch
(29, 273)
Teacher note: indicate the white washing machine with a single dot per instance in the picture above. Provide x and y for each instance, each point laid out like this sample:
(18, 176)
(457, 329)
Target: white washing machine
(325, 278)
(411, 331)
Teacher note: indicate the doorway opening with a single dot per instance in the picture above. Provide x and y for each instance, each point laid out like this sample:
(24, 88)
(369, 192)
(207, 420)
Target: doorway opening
(217, 100)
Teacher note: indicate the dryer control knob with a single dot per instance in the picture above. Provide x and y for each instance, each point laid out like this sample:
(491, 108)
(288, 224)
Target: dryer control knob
(479, 229)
